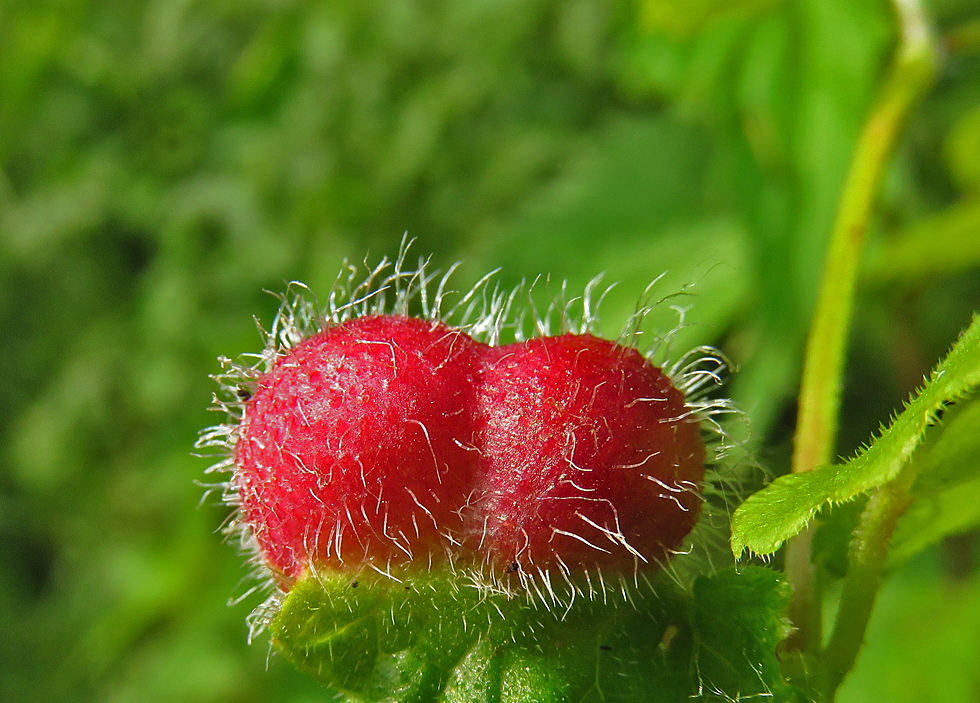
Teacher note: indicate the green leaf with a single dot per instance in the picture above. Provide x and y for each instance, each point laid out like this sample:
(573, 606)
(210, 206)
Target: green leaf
(930, 519)
(923, 640)
(955, 456)
(690, 16)
(739, 624)
(373, 637)
(945, 242)
(832, 538)
(783, 508)
(947, 489)
(433, 637)
(962, 150)
(486, 675)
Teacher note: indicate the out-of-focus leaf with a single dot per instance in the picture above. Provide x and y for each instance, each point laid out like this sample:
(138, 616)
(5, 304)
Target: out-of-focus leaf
(931, 518)
(947, 490)
(638, 178)
(641, 188)
(784, 507)
(832, 538)
(37, 226)
(683, 18)
(784, 94)
(704, 283)
(946, 242)
(962, 151)
(955, 457)
(922, 642)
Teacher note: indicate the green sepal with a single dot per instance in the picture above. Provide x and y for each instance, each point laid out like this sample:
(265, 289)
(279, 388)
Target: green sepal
(374, 637)
(434, 637)
(739, 620)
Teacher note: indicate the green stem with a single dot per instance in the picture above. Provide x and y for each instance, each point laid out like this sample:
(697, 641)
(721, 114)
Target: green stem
(866, 562)
(911, 72)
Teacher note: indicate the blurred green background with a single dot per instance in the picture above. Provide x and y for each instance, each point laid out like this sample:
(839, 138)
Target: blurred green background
(163, 162)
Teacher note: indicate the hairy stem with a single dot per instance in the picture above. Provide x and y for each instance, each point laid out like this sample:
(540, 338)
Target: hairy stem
(911, 72)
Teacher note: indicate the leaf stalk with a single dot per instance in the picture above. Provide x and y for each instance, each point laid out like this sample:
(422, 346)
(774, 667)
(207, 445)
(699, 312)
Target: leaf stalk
(911, 72)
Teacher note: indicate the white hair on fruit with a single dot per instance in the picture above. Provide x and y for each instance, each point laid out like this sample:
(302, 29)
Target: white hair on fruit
(493, 315)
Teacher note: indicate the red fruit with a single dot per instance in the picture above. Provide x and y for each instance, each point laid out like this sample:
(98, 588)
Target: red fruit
(348, 451)
(388, 440)
(588, 456)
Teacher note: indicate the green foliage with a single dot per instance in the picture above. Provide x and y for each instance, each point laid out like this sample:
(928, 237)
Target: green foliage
(955, 456)
(783, 508)
(432, 636)
(947, 241)
(947, 489)
(740, 623)
(941, 622)
(161, 163)
(835, 525)
(685, 18)
(955, 511)
(962, 149)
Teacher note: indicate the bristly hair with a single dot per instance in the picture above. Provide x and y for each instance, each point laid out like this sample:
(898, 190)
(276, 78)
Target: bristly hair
(492, 315)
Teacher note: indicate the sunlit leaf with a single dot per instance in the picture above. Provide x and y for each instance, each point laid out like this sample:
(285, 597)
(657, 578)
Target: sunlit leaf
(784, 507)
